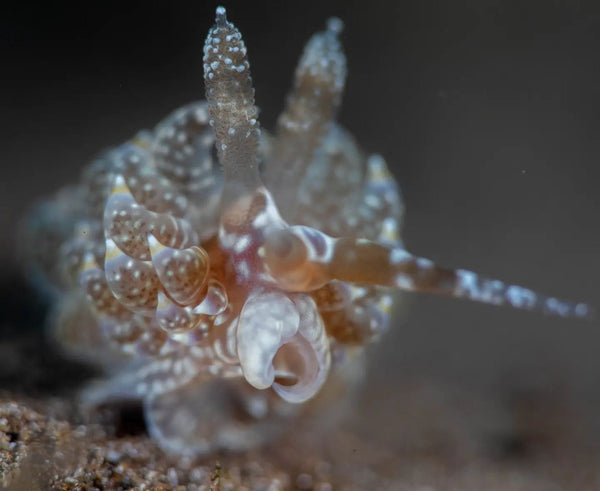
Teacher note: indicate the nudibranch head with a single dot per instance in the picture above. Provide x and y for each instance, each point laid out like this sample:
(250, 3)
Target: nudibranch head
(243, 284)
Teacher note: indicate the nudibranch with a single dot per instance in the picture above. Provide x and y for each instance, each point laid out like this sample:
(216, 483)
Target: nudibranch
(222, 295)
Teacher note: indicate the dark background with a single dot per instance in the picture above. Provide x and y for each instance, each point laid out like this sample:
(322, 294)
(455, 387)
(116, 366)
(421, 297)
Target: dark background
(487, 112)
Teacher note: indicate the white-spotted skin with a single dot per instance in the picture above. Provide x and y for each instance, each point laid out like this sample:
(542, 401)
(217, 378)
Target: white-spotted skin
(125, 332)
(183, 149)
(172, 231)
(126, 222)
(224, 296)
(183, 272)
(174, 318)
(132, 281)
(92, 281)
(479, 289)
(215, 300)
(149, 188)
(72, 254)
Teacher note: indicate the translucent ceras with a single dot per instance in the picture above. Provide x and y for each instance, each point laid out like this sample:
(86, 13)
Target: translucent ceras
(223, 295)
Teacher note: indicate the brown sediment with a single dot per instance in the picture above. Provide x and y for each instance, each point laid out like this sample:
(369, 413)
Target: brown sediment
(46, 444)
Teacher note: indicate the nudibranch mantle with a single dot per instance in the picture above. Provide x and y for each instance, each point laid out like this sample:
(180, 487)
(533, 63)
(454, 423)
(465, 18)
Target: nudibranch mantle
(210, 290)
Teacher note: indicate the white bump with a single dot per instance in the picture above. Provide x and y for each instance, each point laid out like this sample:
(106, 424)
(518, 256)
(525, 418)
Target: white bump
(424, 263)
(398, 256)
(242, 244)
(404, 282)
(582, 309)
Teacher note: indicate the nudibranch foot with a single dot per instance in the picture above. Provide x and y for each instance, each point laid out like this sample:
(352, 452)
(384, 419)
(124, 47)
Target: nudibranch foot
(223, 296)
(212, 415)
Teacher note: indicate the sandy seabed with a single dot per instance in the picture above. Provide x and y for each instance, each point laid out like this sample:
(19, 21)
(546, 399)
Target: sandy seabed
(423, 438)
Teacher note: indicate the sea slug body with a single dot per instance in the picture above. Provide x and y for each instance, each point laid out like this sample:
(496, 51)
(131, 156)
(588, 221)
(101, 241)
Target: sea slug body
(213, 269)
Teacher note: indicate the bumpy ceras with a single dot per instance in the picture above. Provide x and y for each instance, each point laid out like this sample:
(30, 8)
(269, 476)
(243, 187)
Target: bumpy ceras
(204, 289)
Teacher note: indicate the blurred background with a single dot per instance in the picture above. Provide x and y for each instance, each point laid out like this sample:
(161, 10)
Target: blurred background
(487, 112)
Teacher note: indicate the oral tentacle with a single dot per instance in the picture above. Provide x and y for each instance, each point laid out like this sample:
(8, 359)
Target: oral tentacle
(281, 343)
(304, 259)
